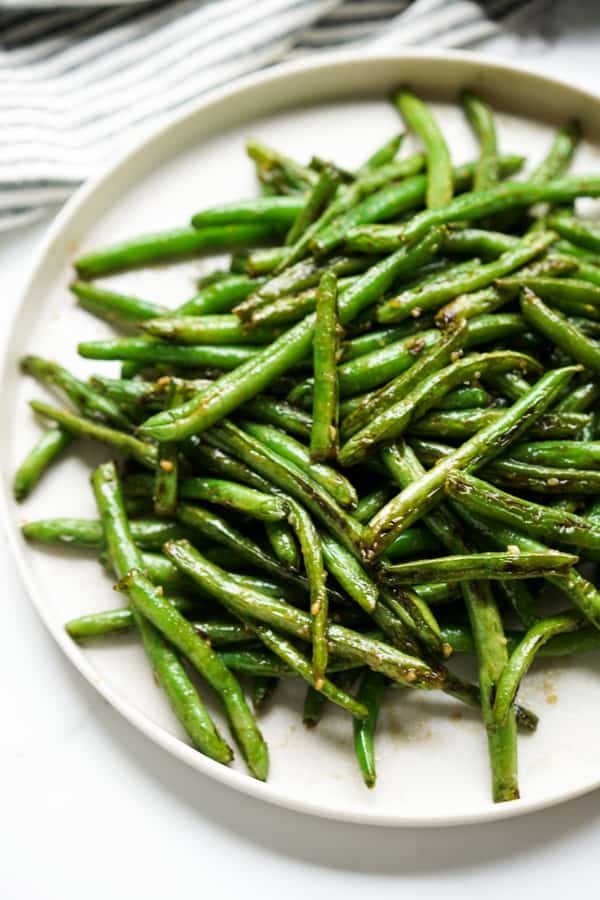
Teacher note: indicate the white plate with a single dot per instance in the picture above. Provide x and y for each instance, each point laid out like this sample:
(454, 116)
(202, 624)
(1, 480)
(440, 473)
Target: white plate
(432, 760)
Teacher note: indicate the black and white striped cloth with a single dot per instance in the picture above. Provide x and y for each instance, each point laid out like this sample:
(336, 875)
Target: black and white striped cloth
(79, 84)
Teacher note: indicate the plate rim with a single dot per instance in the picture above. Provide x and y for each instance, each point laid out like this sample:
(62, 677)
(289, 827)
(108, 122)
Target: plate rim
(231, 778)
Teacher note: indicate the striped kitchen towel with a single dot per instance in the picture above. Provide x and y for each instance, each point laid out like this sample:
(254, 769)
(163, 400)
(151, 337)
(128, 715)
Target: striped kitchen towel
(77, 85)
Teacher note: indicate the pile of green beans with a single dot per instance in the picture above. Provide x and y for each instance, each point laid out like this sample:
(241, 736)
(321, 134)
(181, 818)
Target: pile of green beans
(364, 448)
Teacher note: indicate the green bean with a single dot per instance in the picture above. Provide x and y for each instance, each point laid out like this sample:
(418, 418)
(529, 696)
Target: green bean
(434, 593)
(115, 307)
(283, 543)
(145, 351)
(580, 399)
(368, 505)
(78, 426)
(547, 523)
(262, 690)
(260, 262)
(112, 621)
(369, 694)
(393, 420)
(439, 167)
(384, 154)
(475, 205)
(376, 340)
(216, 330)
(150, 602)
(253, 377)
(584, 596)
(166, 478)
(542, 479)
(298, 175)
(218, 462)
(255, 663)
(41, 456)
(490, 644)
(220, 297)
(165, 663)
(481, 566)
(415, 500)
(314, 703)
(350, 574)
(467, 306)
(550, 265)
(246, 500)
(148, 534)
(278, 212)
(481, 119)
(316, 202)
(560, 154)
(483, 329)
(414, 542)
(310, 546)
(582, 640)
(394, 199)
(170, 246)
(478, 242)
(581, 256)
(465, 397)
(280, 414)
(333, 481)
(269, 410)
(87, 400)
(277, 314)
(135, 398)
(343, 642)
(430, 360)
(564, 292)
(460, 424)
(447, 287)
(553, 325)
(575, 231)
(522, 657)
(325, 417)
(573, 454)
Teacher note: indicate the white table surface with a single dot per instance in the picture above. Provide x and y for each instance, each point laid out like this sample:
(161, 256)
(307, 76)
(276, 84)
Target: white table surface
(91, 809)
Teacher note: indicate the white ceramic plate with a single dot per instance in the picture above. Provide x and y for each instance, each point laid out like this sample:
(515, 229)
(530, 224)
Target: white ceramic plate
(432, 760)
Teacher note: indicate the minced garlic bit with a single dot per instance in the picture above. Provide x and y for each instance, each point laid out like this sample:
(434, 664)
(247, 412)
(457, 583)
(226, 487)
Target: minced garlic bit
(513, 550)
(553, 482)
(166, 465)
(416, 312)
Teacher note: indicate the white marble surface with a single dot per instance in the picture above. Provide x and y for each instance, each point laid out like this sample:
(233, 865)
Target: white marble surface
(90, 808)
